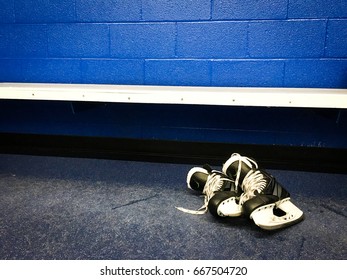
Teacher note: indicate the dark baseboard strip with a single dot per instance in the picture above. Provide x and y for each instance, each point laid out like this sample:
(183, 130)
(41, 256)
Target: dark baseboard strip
(313, 159)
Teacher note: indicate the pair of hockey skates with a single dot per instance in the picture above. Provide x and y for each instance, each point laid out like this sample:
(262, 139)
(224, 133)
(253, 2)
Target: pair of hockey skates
(241, 188)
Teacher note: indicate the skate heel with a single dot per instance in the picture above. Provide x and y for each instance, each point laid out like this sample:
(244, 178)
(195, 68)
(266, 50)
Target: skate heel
(225, 204)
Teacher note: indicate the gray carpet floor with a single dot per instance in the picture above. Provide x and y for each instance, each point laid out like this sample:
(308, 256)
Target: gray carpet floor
(74, 208)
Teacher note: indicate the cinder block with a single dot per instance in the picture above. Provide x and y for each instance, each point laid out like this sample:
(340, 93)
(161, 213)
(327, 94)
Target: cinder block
(107, 71)
(51, 71)
(148, 40)
(108, 10)
(249, 9)
(250, 73)
(29, 11)
(7, 11)
(11, 70)
(78, 40)
(336, 42)
(324, 73)
(212, 40)
(177, 72)
(282, 39)
(23, 40)
(175, 10)
(317, 9)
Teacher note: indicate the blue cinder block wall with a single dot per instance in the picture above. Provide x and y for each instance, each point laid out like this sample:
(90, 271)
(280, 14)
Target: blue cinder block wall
(278, 43)
(255, 43)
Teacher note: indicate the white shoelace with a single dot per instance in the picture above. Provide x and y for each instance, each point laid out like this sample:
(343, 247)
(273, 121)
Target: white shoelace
(252, 183)
(242, 159)
(214, 183)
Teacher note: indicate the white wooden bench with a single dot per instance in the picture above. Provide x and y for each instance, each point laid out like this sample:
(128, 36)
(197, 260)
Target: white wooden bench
(230, 96)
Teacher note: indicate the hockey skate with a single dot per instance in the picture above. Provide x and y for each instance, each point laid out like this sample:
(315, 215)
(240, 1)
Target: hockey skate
(263, 199)
(219, 191)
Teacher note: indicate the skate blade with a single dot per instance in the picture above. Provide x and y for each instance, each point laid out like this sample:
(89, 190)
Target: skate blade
(265, 218)
(229, 208)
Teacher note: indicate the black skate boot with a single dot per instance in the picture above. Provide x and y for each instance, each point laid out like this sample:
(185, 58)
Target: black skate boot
(221, 197)
(263, 199)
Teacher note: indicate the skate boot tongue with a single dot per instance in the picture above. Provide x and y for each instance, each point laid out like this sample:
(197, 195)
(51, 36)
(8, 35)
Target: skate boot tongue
(237, 167)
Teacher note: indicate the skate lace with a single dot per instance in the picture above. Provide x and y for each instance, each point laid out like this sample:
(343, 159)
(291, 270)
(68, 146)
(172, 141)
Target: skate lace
(252, 184)
(242, 159)
(213, 184)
